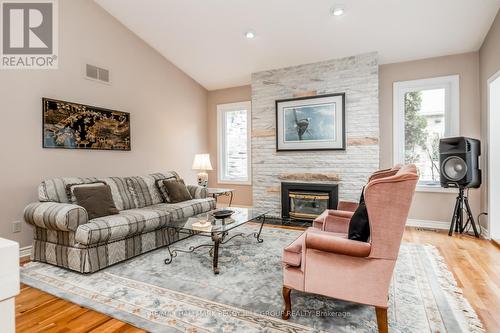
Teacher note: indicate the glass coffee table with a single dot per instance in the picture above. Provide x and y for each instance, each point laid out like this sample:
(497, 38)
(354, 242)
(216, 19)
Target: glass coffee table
(217, 230)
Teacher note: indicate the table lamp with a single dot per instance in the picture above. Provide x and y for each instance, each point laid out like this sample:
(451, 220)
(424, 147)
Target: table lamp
(202, 163)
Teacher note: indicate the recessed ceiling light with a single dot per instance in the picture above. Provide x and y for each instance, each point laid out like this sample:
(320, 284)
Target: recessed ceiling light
(250, 34)
(337, 11)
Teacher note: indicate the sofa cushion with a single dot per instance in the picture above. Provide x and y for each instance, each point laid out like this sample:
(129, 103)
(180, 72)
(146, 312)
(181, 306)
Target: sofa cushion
(176, 190)
(128, 192)
(115, 227)
(121, 191)
(54, 190)
(136, 221)
(70, 188)
(144, 191)
(96, 200)
(187, 208)
(292, 254)
(162, 189)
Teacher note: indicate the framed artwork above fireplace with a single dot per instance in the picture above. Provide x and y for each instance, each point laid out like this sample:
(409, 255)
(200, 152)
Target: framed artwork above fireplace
(311, 123)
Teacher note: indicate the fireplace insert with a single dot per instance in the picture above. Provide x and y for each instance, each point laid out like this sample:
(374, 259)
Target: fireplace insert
(305, 201)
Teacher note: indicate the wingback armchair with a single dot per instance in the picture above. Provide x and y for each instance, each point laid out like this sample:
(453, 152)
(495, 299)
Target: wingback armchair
(367, 266)
(345, 209)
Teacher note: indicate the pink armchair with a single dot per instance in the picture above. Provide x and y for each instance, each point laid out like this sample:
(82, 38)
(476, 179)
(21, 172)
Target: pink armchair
(367, 266)
(346, 208)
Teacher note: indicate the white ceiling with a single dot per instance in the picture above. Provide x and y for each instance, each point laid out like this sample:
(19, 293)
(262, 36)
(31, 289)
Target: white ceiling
(205, 38)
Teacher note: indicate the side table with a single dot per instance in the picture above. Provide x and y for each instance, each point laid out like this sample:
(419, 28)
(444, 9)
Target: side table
(217, 192)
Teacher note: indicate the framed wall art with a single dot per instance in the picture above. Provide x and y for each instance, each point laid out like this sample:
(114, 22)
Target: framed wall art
(311, 123)
(77, 126)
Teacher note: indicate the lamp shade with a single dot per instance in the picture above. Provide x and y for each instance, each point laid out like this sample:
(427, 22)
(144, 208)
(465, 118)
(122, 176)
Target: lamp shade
(202, 162)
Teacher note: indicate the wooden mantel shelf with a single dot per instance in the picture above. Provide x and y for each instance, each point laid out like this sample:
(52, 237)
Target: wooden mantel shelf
(306, 176)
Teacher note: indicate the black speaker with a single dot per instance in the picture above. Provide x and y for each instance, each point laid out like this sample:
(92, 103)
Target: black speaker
(459, 162)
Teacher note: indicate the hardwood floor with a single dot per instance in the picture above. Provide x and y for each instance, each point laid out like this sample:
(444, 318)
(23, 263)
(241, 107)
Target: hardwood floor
(37, 311)
(475, 264)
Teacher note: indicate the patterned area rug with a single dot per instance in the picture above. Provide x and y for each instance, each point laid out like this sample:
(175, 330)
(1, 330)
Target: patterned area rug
(246, 297)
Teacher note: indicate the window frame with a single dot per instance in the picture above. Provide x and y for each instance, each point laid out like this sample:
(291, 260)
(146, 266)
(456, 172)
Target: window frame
(451, 84)
(221, 144)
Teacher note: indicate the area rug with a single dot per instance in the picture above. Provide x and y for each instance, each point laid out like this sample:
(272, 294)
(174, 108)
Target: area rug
(186, 296)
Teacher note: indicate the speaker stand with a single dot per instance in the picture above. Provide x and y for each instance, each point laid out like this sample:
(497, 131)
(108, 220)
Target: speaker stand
(457, 221)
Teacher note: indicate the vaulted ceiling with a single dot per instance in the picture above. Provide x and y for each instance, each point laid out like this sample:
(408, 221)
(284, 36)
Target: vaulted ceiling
(205, 38)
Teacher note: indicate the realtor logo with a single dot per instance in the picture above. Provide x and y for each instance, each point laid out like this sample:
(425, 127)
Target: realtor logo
(29, 34)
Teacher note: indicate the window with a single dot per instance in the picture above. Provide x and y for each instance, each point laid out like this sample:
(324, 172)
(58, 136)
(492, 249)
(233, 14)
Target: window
(233, 127)
(424, 112)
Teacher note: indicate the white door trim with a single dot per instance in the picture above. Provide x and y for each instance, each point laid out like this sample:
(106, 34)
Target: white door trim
(488, 147)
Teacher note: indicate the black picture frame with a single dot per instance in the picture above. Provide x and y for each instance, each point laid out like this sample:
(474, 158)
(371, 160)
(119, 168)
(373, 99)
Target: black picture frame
(125, 145)
(343, 122)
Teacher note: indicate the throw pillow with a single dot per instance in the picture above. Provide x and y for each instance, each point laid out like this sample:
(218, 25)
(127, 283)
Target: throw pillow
(97, 200)
(359, 226)
(70, 188)
(176, 190)
(162, 189)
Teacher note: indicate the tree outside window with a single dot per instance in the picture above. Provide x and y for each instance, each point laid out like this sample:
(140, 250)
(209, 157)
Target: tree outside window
(424, 127)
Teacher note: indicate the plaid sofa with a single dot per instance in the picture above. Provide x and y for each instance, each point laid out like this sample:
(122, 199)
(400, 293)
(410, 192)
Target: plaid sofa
(63, 235)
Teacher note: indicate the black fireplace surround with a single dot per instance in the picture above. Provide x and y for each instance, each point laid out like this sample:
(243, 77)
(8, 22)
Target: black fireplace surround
(314, 197)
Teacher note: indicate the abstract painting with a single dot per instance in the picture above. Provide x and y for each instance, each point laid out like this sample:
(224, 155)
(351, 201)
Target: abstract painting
(78, 126)
(311, 123)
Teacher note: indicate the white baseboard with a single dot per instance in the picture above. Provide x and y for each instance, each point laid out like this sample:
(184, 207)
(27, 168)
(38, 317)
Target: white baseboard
(485, 233)
(25, 251)
(440, 225)
(428, 224)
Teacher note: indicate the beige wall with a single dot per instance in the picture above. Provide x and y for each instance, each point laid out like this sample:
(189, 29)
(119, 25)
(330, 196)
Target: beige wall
(427, 206)
(433, 206)
(168, 111)
(474, 70)
(489, 64)
(243, 193)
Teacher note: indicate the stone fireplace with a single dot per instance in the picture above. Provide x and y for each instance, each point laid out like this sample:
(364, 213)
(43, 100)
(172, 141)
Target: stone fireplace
(305, 201)
(349, 169)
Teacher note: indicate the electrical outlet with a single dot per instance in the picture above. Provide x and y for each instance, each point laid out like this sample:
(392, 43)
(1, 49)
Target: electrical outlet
(16, 226)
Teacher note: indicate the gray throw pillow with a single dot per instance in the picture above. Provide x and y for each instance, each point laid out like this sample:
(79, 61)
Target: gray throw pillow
(71, 187)
(176, 190)
(97, 200)
(162, 189)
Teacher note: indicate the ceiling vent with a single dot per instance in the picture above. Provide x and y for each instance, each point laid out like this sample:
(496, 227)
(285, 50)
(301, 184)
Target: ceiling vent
(97, 73)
